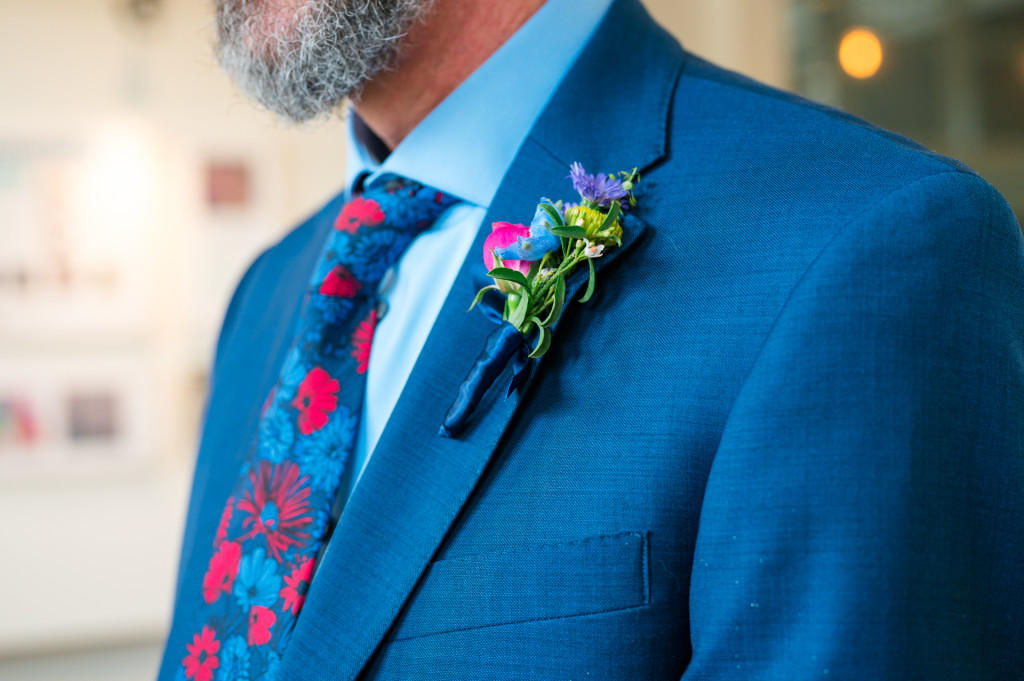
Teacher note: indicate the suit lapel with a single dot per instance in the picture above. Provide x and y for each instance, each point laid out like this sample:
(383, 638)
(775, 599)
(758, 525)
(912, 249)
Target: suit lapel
(418, 482)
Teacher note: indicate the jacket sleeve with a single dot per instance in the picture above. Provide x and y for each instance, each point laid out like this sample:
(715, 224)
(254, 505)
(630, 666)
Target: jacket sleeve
(864, 514)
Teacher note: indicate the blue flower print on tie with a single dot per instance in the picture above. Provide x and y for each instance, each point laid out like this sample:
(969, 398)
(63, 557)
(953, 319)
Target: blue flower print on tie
(375, 253)
(320, 521)
(258, 582)
(421, 211)
(327, 342)
(276, 434)
(234, 660)
(332, 310)
(292, 373)
(322, 455)
(273, 668)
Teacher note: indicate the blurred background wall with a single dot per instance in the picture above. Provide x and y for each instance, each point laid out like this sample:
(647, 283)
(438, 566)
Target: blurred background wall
(135, 187)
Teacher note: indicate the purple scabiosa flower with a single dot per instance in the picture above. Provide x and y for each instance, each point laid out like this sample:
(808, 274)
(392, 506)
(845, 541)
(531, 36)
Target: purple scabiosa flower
(598, 189)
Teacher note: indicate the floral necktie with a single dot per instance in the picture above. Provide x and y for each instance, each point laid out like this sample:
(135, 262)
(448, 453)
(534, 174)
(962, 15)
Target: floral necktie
(279, 513)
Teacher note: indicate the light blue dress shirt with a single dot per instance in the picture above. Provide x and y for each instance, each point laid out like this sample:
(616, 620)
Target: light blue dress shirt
(464, 148)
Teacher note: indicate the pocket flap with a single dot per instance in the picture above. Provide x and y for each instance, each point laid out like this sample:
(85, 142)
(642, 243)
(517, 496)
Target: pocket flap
(528, 582)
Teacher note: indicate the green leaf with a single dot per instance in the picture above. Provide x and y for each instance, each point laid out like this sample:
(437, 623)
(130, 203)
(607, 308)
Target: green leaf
(556, 309)
(612, 217)
(518, 315)
(480, 296)
(591, 283)
(507, 274)
(543, 343)
(570, 232)
(553, 214)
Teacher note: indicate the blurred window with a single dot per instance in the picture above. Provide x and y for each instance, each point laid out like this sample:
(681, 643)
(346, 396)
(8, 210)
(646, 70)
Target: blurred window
(947, 73)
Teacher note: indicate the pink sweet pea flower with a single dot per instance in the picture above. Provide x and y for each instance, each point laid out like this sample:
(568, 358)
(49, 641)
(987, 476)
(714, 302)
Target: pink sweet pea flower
(261, 619)
(503, 235)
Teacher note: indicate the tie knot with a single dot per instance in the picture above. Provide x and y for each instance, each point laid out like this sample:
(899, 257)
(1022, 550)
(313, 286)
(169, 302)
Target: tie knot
(375, 227)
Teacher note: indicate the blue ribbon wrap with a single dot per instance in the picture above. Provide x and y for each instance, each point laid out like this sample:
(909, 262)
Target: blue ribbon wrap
(503, 345)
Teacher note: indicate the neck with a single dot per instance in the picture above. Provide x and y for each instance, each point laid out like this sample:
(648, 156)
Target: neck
(438, 54)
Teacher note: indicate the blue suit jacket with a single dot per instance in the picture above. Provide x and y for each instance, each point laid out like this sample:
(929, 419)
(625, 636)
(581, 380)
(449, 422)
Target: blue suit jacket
(783, 442)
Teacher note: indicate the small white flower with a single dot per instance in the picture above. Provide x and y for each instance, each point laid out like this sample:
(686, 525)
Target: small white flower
(592, 250)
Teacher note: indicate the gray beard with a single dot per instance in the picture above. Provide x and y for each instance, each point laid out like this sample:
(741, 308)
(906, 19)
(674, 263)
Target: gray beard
(322, 55)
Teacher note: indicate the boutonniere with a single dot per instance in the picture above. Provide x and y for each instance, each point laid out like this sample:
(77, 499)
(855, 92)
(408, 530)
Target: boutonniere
(529, 266)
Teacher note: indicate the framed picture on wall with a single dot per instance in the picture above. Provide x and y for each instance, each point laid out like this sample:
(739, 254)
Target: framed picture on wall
(19, 423)
(77, 415)
(77, 215)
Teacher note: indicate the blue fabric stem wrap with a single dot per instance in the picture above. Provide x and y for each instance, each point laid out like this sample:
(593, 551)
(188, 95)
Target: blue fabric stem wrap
(503, 345)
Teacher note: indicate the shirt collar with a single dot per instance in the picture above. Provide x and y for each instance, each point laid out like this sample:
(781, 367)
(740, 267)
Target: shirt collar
(465, 146)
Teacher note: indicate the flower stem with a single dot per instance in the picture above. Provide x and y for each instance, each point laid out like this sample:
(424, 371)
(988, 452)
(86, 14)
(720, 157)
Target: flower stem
(540, 301)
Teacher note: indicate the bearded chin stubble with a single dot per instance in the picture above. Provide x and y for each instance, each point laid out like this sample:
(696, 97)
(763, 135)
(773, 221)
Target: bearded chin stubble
(303, 62)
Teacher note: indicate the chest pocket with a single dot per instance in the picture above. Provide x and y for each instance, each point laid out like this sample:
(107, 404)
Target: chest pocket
(528, 582)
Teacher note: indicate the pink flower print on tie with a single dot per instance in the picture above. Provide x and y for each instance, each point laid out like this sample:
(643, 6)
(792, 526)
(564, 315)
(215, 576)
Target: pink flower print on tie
(357, 213)
(225, 520)
(362, 339)
(315, 399)
(220, 576)
(202, 656)
(277, 507)
(261, 619)
(340, 283)
(296, 585)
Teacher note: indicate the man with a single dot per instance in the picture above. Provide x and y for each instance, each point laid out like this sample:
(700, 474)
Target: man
(781, 442)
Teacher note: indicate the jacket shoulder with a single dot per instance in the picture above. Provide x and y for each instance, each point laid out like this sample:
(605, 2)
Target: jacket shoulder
(706, 88)
(748, 161)
(734, 125)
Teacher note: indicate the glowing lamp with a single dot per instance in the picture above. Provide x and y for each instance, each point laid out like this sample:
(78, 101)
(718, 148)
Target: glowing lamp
(860, 53)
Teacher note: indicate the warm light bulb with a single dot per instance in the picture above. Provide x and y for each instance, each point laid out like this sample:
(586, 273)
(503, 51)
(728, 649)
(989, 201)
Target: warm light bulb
(860, 53)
